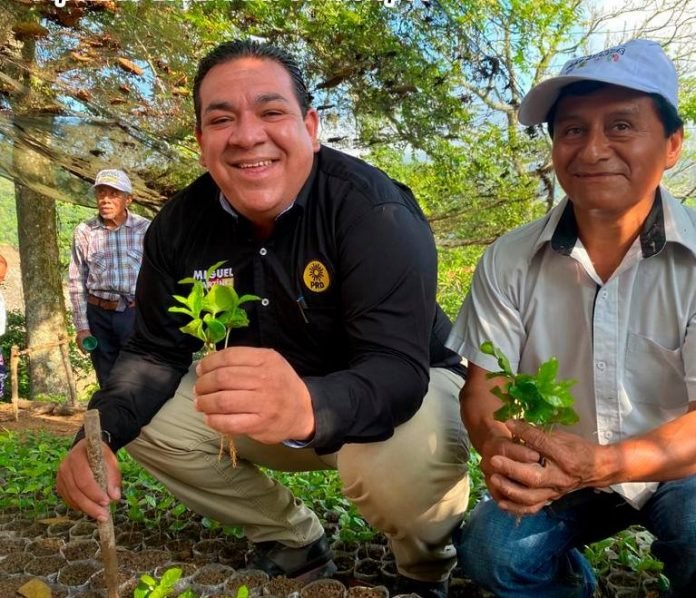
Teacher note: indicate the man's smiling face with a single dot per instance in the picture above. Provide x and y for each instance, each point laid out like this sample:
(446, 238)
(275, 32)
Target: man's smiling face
(254, 140)
(610, 149)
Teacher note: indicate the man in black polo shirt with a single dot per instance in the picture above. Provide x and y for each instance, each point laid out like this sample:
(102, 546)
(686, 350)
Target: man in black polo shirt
(343, 364)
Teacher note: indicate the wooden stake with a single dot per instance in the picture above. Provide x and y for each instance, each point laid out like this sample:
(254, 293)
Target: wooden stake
(106, 528)
(68, 371)
(14, 363)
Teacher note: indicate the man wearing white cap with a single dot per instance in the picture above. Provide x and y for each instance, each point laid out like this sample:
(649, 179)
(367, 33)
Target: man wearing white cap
(104, 265)
(606, 283)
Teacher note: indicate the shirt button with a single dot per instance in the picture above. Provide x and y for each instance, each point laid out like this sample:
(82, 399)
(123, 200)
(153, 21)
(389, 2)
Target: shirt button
(265, 302)
(605, 294)
(601, 366)
(608, 434)
(263, 251)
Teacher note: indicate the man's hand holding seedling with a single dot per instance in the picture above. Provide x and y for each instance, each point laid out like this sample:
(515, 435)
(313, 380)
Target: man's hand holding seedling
(242, 390)
(526, 465)
(254, 392)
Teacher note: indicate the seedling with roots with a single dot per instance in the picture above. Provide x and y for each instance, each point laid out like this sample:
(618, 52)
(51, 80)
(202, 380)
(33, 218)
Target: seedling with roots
(214, 311)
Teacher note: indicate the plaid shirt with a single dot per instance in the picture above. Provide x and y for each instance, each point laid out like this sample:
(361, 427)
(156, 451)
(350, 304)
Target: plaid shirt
(105, 263)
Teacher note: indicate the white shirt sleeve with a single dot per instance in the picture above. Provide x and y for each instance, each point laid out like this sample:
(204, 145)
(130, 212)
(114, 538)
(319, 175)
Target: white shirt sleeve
(490, 313)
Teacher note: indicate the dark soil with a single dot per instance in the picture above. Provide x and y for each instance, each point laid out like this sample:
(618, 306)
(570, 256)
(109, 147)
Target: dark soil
(144, 560)
(367, 569)
(213, 575)
(251, 580)
(8, 545)
(78, 573)
(45, 566)
(365, 592)
(79, 550)
(282, 586)
(83, 530)
(323, 589)
(15, 563)
(45, 546)
(98, 580)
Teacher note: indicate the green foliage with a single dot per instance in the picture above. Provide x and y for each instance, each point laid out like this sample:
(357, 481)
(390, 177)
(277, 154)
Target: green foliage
(8, 214)
(27, 472)
(538, 399)
(214, 312)
(630, 551)
(149, 587)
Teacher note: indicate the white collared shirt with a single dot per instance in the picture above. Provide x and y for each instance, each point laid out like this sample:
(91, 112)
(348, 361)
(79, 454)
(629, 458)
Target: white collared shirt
(630, 342)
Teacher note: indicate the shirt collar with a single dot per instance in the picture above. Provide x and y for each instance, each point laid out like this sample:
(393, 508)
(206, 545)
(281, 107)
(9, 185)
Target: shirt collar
(661, 226)
(97, 221)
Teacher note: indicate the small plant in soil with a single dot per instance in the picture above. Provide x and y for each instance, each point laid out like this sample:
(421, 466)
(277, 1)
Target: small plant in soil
(149, 587)
(539, 399)
(214, 312)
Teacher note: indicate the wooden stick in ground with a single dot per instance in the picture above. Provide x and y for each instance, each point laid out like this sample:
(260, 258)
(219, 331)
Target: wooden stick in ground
(106, 528)
(14, 368)
(68, 371)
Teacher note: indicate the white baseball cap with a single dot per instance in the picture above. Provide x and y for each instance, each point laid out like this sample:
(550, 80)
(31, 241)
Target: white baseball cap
(638, 64)
(114, 178)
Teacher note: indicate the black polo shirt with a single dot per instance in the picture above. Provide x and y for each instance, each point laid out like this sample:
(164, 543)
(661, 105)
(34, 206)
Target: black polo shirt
(347, 284)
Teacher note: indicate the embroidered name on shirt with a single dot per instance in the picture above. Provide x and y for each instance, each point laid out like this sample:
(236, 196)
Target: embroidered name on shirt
(316, 277)
(220, 276)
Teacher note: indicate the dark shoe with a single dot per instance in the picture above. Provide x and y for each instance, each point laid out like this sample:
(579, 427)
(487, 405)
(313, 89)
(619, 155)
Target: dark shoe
(424, 589)
(305, 563)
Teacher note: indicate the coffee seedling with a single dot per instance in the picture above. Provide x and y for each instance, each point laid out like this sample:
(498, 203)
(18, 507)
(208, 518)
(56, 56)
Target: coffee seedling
(214, 311)
(539, 399)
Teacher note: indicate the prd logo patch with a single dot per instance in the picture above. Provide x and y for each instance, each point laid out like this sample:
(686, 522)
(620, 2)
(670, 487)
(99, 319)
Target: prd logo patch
(316, 277)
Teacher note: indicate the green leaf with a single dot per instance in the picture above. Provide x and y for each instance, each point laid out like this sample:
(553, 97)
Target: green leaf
(242, 592)
(488, 348)
(181, 310)
(538, 399)
(567, 416)
(244, 299)
(235, 319)
(219, 298)
(194, 328)
(501, 394)
(181, 299)
(539, 413)
(209, 271)
(505, 413)
(547, 372)
(499, 374)
(216, 330)
(171, 576)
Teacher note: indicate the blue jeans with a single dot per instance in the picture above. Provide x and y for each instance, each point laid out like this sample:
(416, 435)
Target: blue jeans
(539, 555)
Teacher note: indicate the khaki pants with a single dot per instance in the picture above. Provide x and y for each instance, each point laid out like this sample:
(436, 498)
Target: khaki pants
(412, 487)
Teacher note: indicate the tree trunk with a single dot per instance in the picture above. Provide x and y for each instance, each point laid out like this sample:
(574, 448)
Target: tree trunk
(38, 245)
(41, 282)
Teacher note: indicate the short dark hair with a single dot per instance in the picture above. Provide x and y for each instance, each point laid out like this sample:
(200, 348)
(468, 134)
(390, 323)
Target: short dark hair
(667, 113)
(246, 48)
